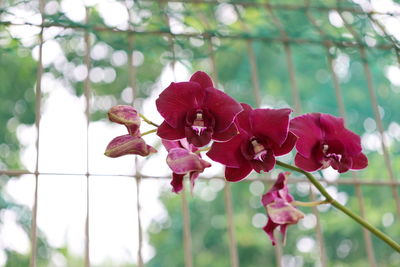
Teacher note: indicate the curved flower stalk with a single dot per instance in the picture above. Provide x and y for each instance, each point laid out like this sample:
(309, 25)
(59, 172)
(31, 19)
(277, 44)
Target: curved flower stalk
(245, 139)
(131, 143)
(333, 202)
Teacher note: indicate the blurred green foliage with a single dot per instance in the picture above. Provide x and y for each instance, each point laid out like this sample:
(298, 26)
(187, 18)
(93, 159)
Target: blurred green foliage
(229, 45)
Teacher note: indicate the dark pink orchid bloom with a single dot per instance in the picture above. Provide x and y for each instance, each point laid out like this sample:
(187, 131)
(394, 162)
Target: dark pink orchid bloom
(197, 111)
(182, 159)
(263, 135)
(323, 141)
(130, 143)
(280, 211)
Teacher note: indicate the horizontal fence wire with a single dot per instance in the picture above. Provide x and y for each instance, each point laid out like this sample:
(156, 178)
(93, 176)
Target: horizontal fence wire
(345, 181)
(284, 39)
(206, 35)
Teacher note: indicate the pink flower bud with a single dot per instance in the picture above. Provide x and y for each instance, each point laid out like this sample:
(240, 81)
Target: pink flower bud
(128, 144)
(127, 116)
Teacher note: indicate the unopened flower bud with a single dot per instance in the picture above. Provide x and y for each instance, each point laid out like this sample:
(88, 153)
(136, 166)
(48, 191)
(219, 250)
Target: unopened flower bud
(127, 116)
(128, 144)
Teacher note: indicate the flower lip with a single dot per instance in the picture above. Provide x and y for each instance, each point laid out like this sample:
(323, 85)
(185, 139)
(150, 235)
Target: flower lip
(199, 124)
(199, 127)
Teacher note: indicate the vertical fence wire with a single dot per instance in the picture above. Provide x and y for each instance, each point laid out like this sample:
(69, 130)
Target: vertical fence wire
(132, 84)
(257, 99)
(209, 41)
(297, 108)
(38, 99)
(233, 252)
(132, 80)
(252, 61)
(86, 88)
(289, 59)
(187, 236)
(374, 105)
(342, 113)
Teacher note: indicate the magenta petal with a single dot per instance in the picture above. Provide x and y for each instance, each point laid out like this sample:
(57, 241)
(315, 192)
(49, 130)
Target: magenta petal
(271, 123)
(177, 99)
(269, 229)
(228, 153)
(334, 129)
(127, 116)
(177, 182)
(243, 119)
(165, 131)
(306, 164)
(307, 129)
(282, 212)
(127, 144)
(202, 79)
(286, 147)
(182, 161)
(359, 162)
(237, 174)
(279, 189)
(223, 107)
(227, 134)
(170, 144)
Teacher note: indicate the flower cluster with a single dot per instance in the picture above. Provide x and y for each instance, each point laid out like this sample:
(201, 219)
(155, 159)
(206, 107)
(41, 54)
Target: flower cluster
(243, 139)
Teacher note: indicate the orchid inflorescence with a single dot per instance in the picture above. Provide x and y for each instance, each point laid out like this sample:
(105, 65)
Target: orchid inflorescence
(242, 138)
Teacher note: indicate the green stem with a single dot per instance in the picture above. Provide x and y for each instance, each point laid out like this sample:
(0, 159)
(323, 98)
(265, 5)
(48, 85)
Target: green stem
(148, 132)
(342, 208)
(202, 150)
(148, 121)
(310, 204)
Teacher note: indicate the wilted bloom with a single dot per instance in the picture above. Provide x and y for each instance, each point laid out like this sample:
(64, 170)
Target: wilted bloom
(130, 143)
(263, 135)
(323, 141)
(277, 202)
(195, 110)
(182, 160)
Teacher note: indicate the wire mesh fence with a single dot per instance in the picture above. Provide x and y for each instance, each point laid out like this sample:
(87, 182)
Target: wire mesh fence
(339, 57)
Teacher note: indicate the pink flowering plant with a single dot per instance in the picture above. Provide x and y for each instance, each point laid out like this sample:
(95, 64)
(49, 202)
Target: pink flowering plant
(200, 118)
